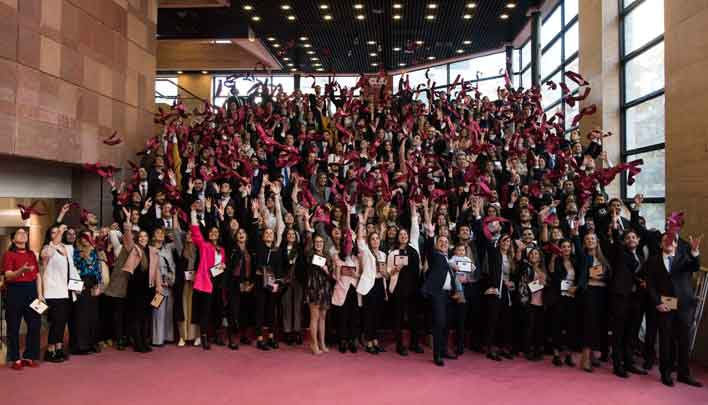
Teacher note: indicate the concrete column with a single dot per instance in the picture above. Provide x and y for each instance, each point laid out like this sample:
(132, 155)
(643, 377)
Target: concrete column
(536, 48)
(599, 64)
(686, 92)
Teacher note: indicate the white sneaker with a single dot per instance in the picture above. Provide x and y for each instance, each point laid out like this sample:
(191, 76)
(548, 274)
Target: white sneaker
(197, 342)
(181, 342)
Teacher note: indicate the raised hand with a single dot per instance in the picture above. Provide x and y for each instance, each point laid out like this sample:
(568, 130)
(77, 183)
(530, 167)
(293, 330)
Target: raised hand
(695, 243)
(638, 199)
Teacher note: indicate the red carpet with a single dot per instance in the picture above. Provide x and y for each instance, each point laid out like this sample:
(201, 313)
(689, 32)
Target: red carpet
(292, 376)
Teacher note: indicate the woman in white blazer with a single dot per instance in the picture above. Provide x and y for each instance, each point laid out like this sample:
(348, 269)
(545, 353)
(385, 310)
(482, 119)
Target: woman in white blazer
(372, 283)
(58, 270)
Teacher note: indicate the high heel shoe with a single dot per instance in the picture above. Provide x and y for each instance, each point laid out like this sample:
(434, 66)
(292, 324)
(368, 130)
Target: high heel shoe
(557, 361)
(315, 350)
(324, 347)
(197, 342)
(493, 356)
(262, 345)
(569, 361)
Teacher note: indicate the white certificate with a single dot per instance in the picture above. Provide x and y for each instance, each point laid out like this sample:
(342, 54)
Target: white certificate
(189, 275)
(76, 285)
(216, 270)
(400, 260)
(566, 284)
(319, 261)
(465, 266)
(535, 286)
(38, 306)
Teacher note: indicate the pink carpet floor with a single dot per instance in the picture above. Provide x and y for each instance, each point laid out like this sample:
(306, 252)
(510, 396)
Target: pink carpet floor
(292, 376)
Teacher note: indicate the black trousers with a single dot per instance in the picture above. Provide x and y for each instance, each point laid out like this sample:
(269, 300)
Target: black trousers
(625, 312)
(217, 307)
(201, 307)
(564, 315)
(234, 304)
(348, 316)
(57, 316)
(499, 325)
(648, 311)
(267, 303)
(19, 297)
(674, 339)
(117, 309)
(405, 306)
(373, 309)
(535, 329)
(468, 316)
(595, 318)
(140, 320)
(440, 304)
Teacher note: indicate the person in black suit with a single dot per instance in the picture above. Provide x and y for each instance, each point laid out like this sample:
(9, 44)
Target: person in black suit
(669, 275)
(438, 286)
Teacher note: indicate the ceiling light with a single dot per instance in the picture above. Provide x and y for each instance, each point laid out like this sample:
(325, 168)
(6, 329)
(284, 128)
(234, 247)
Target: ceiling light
(320, 70)
(432, 5)
(248, 7)
(285, 7)
(510, 5)
(467, 42)
(429, 17)
(293, 70)
(286, 58)
(204, 72)
(431, 57)
(303, 38)
(358, 6)
(504, 16)
(419, 42)
(310, 52)
(307, 45)
(276, 45)
(327, 17)
(471, 5)
(467, 16)
(291, 64)
(374, 64)
(396, 49)
(221, 41)
(316, 64)
(401, 64)
(371, 42)
(255, 18)
(179, 72)
(372, 54)
(460, 51)
(315, 58)
(324, 6)
(396, 16)
(291, 17)
(271, 39)
(397, 6)
(360, 16)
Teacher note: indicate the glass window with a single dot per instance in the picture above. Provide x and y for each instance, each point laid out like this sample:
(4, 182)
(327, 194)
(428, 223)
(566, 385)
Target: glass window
(571, 10)
(526, 79)
(351, 81)
(548, 95)
(627, 3)
(645, 124)
(551, 27)
(438, 75)
(573, 66)
(463, 68)
(526, 54)
(423, 97)
(645, 73)
(551, 59)
(490, 65)
(570, 113)
(643, 24)
(489, 87)
(416, 78)
(166, 90)
(654, 214)
(651, 181)
(571, 41)
(288, 83)
(516, 80)
(395, 79)
(515, 63)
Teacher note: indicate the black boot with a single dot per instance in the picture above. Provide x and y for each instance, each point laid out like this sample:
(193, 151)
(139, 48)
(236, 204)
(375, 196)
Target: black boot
(438, 361)
(352, 346)
(262, 345)
(205, 343)
(272, 343)
(298, 338)
(233, 343)
(400, 349)
(343, 346)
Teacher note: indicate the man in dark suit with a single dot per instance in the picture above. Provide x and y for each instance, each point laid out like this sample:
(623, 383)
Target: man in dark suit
(669, 277)
(438, 285)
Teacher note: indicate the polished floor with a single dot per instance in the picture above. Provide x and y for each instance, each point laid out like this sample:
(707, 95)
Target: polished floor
(292, 376)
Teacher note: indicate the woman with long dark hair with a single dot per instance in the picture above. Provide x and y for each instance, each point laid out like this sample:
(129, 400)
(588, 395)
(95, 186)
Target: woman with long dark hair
(58, 271)
(292, 252)
(533, 280)
(318, 288)
(372, 284)
(239, 270)
(21, 270)
(84, 325)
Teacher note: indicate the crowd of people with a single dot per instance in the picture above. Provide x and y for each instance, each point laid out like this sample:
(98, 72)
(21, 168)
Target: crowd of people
(480, 222)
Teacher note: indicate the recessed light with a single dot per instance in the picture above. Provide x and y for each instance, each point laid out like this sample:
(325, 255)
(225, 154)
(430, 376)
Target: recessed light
(320, 70)
(396, 49)
(401, 64)
(248, 7)
(471, 5)
(432, 5)
(372, 54)
(179, 72)
(358, 6)
(327, 17)
(460, 51)
(255, 18)
(396, 16)
(431, 57)
(293, 70)
(419, 42)
(510, 5)
(271, 39)
(360, 16)
(276, 45)
(504, 16)
(221, 41)
(291, 17)
(285, 7)
(397, 6)
(310, 52)
(467, 42)
(371, 42)
(467, 16)
(324, 6)
(291, 64)
(303, 38)
(429, 17)
(374, 64)
(315, 58)
(286, 58)
(204, 72)
(316, 64)
(307, 45)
